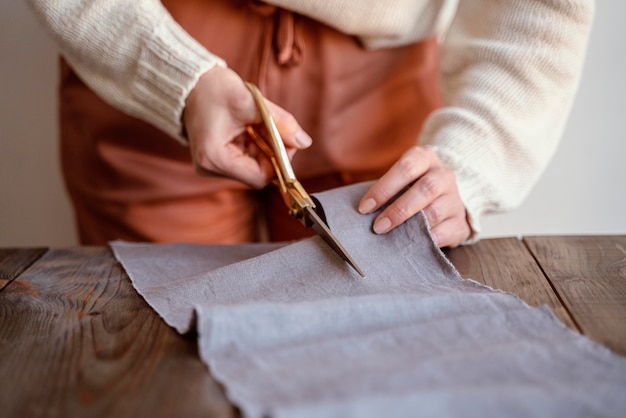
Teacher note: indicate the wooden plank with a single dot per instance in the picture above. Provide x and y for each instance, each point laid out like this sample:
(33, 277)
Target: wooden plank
(506, 264)
(13, 261)
(76, 340)
(589, 274)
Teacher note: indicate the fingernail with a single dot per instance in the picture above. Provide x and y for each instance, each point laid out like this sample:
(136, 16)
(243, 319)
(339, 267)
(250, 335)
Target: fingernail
(382, 225)
(303, 139)
(367, 206)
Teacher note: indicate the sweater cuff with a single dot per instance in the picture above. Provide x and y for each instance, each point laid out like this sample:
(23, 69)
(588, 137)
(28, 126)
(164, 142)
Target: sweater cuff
(170, 64)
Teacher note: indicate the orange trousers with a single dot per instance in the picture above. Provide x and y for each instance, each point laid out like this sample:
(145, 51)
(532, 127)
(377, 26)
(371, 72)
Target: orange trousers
(363, 109)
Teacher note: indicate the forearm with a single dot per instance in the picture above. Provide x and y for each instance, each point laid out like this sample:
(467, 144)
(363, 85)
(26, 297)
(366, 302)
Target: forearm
(130, 52)
(510, 70)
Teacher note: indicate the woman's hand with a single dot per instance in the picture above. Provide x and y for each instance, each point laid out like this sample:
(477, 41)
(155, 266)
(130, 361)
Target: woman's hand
(216, 114)
(430, 186)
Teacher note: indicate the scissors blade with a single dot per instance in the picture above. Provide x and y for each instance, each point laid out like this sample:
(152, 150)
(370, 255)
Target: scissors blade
(323, 231)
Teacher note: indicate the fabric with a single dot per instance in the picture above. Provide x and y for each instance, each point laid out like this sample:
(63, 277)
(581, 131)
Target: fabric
(129, 181)
(294, 332)
(509, 71)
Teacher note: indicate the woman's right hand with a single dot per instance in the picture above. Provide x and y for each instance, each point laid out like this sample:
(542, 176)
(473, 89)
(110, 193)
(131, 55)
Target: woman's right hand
(216, 114)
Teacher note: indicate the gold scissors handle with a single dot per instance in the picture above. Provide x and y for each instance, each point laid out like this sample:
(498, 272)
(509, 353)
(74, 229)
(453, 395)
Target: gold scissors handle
(301, 205)
(294, 195)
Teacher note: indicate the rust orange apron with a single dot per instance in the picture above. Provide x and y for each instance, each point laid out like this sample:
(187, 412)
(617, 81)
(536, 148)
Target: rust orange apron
(363, 109)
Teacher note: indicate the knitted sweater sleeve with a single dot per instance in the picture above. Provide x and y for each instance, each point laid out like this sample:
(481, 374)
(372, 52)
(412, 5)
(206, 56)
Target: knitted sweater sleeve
(131, 53)
(510, 69)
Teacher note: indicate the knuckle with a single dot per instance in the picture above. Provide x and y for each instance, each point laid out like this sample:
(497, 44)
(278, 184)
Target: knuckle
(434, 215)
(202, 168)
(407, 167)
(427, 153)
(198, 169)
(449, 174)
(453, 244)
(384, 193)
(380, 192)
(458, 233)
(430, 186)
(287, 124)
(202, 162)
(287, 118)
(399, 213)
(240, 99)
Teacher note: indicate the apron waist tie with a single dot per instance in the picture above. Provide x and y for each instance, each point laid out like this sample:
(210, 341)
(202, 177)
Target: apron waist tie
(287, 40)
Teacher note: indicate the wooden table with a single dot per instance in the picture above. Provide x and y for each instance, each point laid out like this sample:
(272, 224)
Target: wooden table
(76, 340)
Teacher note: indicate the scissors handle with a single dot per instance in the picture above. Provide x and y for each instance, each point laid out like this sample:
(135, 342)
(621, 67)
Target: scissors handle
(276, 142)
(294, 195)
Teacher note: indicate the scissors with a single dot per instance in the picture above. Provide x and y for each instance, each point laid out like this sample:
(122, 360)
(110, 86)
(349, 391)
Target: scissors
(301, 206)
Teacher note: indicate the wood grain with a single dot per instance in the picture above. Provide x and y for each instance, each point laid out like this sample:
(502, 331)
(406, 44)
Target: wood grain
(589, 273)
(14, 261)
(76, 340)
(506, 264)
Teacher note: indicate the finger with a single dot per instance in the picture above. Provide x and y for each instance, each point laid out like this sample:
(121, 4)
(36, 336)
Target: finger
(239, 158)
(254, 181)
(254, 173)
(405, 206)
(412, 165)
(248, 164)
(444, 207)
(264, 162)
(290, 130)
(451, 232)
(426, 190)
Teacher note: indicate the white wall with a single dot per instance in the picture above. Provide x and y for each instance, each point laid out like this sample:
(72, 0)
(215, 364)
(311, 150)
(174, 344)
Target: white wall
(34, 209)
(582, 190)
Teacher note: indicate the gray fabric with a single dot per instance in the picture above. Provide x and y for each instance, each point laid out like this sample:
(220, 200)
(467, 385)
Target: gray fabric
(293, 331)
(161, 273)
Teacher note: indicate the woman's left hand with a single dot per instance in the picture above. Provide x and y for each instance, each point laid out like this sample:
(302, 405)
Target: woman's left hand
(432, 188)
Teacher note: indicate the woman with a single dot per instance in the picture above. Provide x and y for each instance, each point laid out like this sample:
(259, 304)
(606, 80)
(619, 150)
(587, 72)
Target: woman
(457, 107)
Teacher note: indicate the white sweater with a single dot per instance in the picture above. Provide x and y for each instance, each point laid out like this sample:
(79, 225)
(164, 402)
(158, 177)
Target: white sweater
(509, 72)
